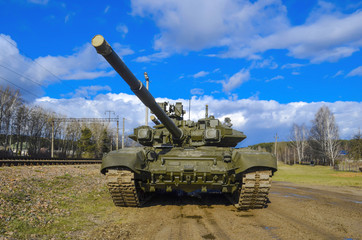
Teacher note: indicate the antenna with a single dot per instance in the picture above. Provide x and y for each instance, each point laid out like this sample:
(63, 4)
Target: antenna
(147, 85)
(189, 108)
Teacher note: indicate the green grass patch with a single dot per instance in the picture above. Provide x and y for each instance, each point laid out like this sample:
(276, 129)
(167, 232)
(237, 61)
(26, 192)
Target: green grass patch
(318, 175)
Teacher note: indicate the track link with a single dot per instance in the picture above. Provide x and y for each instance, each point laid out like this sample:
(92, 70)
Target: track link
(123, 190)
(254, 190)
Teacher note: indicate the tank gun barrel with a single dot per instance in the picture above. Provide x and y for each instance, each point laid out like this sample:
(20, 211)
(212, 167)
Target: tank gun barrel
(103, 48)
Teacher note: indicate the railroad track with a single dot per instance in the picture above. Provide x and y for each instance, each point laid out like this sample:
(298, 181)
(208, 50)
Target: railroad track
(46, 161)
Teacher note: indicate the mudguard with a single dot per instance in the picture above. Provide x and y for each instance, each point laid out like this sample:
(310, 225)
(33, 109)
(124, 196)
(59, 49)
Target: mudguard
(131, 158)
(245, 159)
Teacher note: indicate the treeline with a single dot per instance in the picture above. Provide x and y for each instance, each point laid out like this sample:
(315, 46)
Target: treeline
(319, 144)
(27, 131)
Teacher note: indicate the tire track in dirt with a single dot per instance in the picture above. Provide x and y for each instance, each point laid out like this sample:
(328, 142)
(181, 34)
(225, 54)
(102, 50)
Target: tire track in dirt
(294, 213)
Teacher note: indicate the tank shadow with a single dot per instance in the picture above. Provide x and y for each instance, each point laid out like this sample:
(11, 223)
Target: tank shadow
(204, 200)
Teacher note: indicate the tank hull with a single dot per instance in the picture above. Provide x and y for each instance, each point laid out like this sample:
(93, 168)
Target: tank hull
(195, 169)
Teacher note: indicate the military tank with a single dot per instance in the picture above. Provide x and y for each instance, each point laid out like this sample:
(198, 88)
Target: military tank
(182, 155)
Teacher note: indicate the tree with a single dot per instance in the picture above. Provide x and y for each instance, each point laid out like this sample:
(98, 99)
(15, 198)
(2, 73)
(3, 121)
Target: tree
(105, 142)
(356, 146)
(9, 101)
(298, 138)
(324, 136)
(86, 143)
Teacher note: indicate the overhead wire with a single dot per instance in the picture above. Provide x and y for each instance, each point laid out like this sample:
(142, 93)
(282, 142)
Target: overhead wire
(28, 78)
(7, 80)
(54, 75)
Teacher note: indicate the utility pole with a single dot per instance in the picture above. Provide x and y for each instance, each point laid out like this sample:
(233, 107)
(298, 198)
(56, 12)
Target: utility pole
(109, 114)
(189, 109)
(275, 146)
(123, 134)
(147, 85)
(117, 133)
(52, 147)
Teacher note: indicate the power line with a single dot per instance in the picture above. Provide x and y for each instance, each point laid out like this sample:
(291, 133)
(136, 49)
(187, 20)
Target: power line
(19, 87)
(23, 53)
(13, 71)
(59, 106)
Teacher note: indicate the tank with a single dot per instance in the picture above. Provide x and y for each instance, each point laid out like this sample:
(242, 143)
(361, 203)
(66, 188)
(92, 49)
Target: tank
(182, 155)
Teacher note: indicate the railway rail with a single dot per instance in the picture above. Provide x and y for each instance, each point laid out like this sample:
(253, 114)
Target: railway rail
(25, 161)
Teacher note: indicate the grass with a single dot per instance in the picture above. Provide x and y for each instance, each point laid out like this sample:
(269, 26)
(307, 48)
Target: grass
(56, 208)
(317, 175)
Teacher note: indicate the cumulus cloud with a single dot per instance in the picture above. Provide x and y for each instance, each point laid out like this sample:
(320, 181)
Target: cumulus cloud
(355, 72)
(235, 80)
(33, 74)
(259, 120)
(200, 74)
(247, 29)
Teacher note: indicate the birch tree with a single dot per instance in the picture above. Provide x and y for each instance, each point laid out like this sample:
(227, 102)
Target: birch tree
(324, 135)
(298, 138)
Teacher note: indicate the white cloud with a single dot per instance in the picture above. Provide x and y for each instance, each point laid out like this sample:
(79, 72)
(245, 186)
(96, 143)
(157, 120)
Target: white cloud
(259, 120)
(153, 57)
(247, 29)
(292, 65)
(123, 29)
(200, 74)
(355, 72)
(87, 91)
(340, 72)
(266, 63)
(122, 50)
(197, 91)
(275, 78)
(236, 80)
(32, 74)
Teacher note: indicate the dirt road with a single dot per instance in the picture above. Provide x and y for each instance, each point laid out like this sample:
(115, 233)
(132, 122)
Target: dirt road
(295, 212)
(71, 202)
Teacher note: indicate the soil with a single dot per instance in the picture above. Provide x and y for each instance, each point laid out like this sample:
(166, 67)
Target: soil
(294, 212)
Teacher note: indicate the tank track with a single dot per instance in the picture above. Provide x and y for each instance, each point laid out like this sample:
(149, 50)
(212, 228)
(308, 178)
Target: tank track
(123, 189)
(254, 190)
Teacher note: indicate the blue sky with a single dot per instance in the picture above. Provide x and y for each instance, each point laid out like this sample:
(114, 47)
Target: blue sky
(265, 63)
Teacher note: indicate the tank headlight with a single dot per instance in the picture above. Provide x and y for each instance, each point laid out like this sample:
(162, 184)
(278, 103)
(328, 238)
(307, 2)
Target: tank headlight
(144, 134)
(211, 134)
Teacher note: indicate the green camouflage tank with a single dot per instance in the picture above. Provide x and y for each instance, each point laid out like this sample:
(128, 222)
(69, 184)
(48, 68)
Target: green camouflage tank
(183, 155)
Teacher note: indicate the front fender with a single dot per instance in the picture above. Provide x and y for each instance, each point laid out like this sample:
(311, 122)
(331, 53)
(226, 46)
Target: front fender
(245, 159)
(132, 158)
